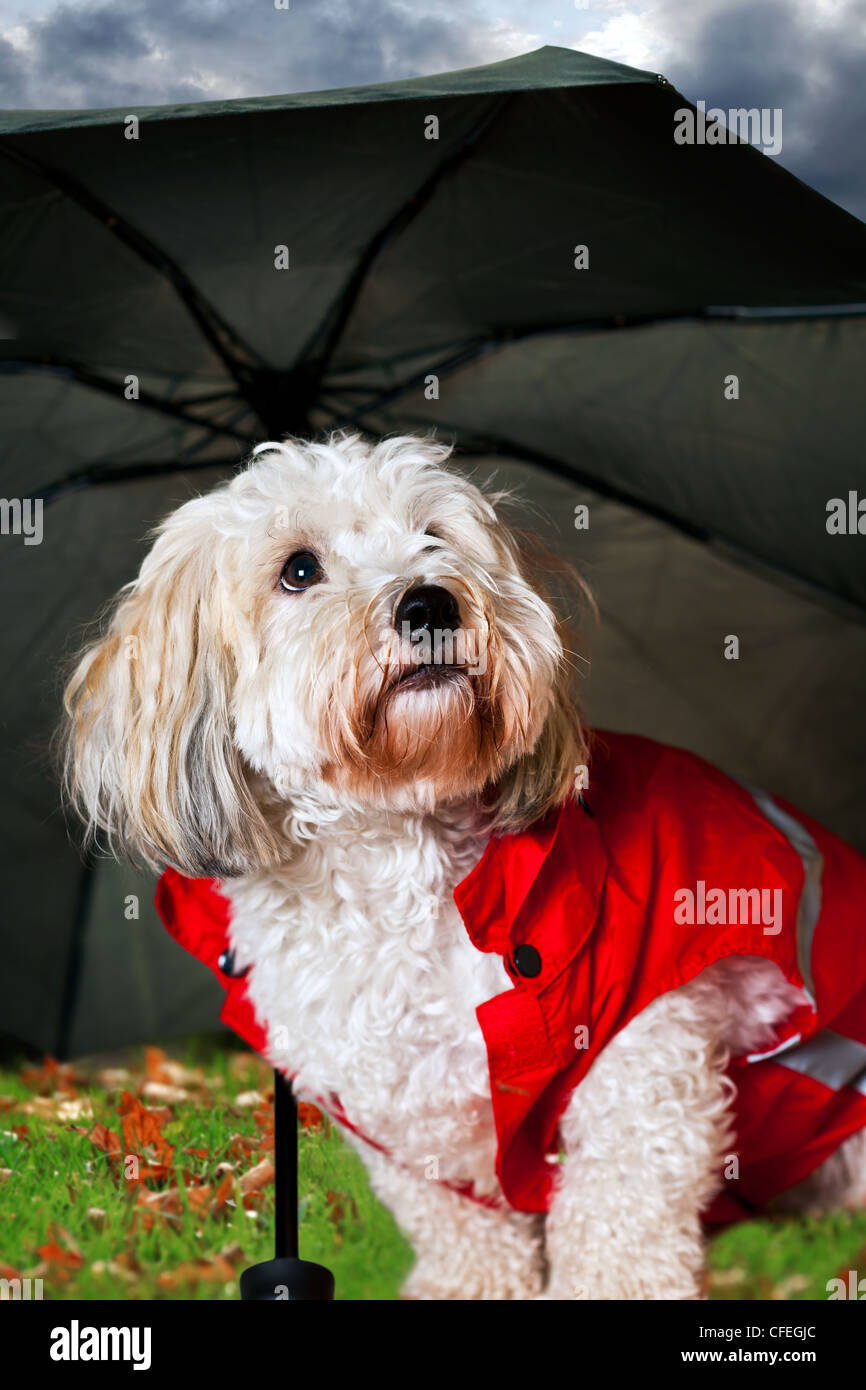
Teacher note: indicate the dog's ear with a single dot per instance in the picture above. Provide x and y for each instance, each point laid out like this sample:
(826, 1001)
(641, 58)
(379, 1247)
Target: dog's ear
(149, 756)
(557, 764)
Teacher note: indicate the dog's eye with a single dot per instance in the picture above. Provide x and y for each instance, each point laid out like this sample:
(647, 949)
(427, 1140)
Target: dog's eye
(301, 571)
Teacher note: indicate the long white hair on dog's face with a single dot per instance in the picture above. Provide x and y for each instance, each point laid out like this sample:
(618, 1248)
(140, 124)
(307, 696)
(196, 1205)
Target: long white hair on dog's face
(261, 645)
(149, 753)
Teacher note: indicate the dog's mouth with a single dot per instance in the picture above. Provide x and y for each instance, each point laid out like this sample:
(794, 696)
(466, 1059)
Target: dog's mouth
(427, 675)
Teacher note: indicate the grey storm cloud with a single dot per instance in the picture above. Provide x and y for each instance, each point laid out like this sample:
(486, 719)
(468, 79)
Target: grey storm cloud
(158, 51)
(13, 86)
(808, 59)
(772, 55)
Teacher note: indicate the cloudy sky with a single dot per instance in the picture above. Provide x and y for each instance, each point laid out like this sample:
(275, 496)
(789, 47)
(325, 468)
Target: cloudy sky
(806, 56)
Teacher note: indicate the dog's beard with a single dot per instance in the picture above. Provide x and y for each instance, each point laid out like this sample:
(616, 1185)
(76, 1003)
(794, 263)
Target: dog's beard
(450, 727)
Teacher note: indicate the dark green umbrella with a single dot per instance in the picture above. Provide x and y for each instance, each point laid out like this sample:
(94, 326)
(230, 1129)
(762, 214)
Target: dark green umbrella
(406, 257)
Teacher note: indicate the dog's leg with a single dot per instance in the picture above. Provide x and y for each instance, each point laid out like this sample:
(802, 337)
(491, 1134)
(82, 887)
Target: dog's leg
(462, 1250)
(644, 1137)
(839, 1182)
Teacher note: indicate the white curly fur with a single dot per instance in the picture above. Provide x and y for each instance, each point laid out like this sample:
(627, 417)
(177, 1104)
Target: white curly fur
(232, 728)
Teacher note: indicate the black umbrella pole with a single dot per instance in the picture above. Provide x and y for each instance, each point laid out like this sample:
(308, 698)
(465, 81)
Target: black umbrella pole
(286, 1168)
(286, 1278)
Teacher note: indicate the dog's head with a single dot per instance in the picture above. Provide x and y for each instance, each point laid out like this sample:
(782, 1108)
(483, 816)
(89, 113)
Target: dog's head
(342, 619)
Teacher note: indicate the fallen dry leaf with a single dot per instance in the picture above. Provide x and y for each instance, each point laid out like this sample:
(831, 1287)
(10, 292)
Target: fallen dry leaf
(233, 1252)
(249, 1100)
(339, 1205)
(199, 1196)
(57, 1108)
(115, 1269)
(71, 1110)
(114, 1078)
(240, 1146)
(309, 1116)
(152, 1172)
(58, 1263)
(215, 1270)
(224, 1195)
(154, 1064)
(162, 1091)
(179, 1075)
(104, 1139)
(169, 1200)
(68, 1239)
(164, 1071)
(245, 1062)
(265, 1121)
(257, 1177)
(51, 1077)
(128, 1261)
(142, 1128)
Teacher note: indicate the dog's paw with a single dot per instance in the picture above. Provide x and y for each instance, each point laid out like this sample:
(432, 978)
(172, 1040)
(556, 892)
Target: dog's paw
(467, 1283)
(623, 1285)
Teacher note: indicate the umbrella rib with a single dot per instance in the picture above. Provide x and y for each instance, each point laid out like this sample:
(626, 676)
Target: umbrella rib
(75, 959)
(851, 607)
(103, 474)
(495, 342)
(486, 445)
(468, 353)
(329, 330)
(236, 355)
(53, 366)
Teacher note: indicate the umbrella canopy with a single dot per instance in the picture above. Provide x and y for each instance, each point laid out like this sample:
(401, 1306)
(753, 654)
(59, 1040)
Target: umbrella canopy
(659, 344)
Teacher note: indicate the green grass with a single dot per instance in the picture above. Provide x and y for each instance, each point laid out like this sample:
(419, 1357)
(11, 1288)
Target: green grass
(58, 1175)
(790, 1258)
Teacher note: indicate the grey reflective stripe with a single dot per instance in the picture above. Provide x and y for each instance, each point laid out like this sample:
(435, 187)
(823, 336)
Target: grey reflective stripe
(774, 1051)
(809, 907)
(830, 1058)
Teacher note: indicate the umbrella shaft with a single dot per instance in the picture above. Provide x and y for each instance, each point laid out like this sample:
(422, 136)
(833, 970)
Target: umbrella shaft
(286, 1168)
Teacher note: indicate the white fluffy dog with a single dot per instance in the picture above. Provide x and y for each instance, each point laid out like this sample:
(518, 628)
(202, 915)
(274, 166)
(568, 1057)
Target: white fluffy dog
(257, 713)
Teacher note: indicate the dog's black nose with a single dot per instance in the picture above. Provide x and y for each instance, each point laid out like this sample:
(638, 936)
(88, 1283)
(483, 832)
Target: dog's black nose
(428, 607)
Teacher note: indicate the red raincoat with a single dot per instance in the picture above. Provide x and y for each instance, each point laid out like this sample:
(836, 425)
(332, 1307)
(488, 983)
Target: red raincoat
(598, 911)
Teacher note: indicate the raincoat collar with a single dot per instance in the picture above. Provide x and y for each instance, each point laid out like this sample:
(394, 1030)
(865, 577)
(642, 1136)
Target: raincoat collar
(505, 901)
